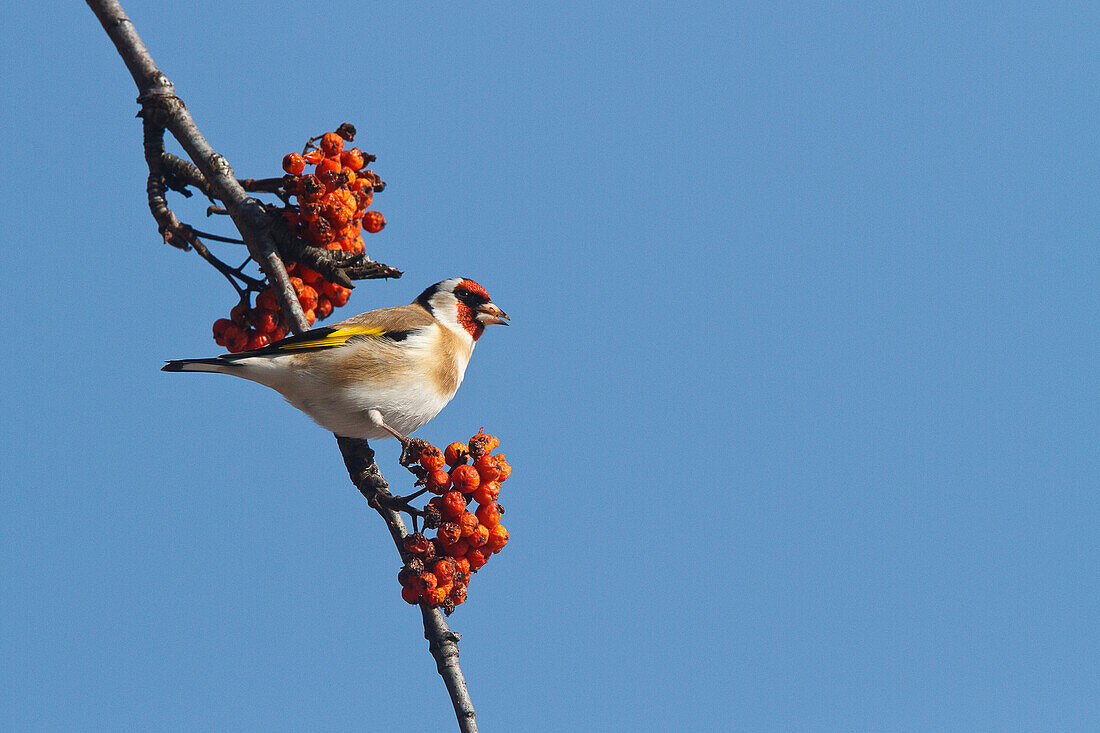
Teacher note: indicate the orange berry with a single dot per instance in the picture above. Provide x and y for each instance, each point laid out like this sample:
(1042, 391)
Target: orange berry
(456, 453)
(309, 277)
(437, 596)
(487, 493)
(479, 536)
(236, 338)
(449, 533)
(265, 321)
(444, 569)
(352, 159)
(428, 581)
(457, 549)
(331, 144)
(462, 568)
(411, 595)
(313, 157)
(454, 504)
(340, 298)
(477, 557)
(504, 466)
(437, 482)
(239, 314)
(467, 523)
(458, 594)
(294, 163)
(307, 296)
(311, 317)
(488, 514)
(465, 478)
(219, 329)
(267, 300)
(487, 469)
(278, 334)
(431, 458)
(498, 538)
(324, 308)
(373, 221)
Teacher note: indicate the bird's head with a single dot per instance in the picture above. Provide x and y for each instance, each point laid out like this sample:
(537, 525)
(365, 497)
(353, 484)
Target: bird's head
(462, 305)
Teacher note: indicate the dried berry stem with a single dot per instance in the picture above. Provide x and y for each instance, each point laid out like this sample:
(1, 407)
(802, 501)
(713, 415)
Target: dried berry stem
(162, 108)
(442, 642)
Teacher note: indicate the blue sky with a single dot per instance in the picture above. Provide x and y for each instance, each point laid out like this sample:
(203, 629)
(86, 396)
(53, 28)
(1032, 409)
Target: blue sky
(800, 395)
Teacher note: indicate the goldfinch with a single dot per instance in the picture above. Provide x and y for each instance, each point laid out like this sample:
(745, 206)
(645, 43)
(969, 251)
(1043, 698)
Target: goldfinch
(382, 373)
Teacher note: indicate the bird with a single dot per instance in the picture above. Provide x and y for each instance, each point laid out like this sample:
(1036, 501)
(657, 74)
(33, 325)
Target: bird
(384, 373)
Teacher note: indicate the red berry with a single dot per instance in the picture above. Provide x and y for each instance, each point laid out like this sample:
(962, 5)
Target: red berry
(458, 549)
(458, 594)
(504, 466)
(331, 144)
(266, 300)
(373, 221)
(257, 341)
(313, 157)
(465, 478)
(265, 321)
(428, 581)
(449, 533)
(294, 163)
(324, 308)
(239, 314)
(454, 504)
(410, 595)
(444, 569)
(477, 557)
(487, 468)
(236, 340)
(488, 514)
(467, 523)
(438, 481)
(498, 538)
(487, 492)
(431, 458)
(479, 536)
(340, 297)
(352, 159)
(456, 453)
(219, 329)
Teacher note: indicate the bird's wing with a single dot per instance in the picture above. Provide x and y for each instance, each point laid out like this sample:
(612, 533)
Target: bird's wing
(394, 324)
(401, 319)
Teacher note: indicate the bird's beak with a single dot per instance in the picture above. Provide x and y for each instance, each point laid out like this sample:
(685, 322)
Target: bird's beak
(489, 313)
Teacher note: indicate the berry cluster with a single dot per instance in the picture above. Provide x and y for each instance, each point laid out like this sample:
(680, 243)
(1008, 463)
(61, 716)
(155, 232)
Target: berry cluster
(330, 212)
(437, 570)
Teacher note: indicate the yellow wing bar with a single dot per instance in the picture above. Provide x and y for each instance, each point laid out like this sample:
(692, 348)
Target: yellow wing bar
(335, 337)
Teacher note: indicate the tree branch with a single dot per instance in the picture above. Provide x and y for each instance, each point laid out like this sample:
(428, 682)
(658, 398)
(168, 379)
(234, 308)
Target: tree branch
(161, 107)
(442, 642)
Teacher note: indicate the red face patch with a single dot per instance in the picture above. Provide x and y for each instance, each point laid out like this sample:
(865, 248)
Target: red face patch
(466, 320)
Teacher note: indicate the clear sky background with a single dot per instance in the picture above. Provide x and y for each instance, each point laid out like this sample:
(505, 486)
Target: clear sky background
(800, 395)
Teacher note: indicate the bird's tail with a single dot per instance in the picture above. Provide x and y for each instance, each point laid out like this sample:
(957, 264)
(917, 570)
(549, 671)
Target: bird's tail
(198, 365)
